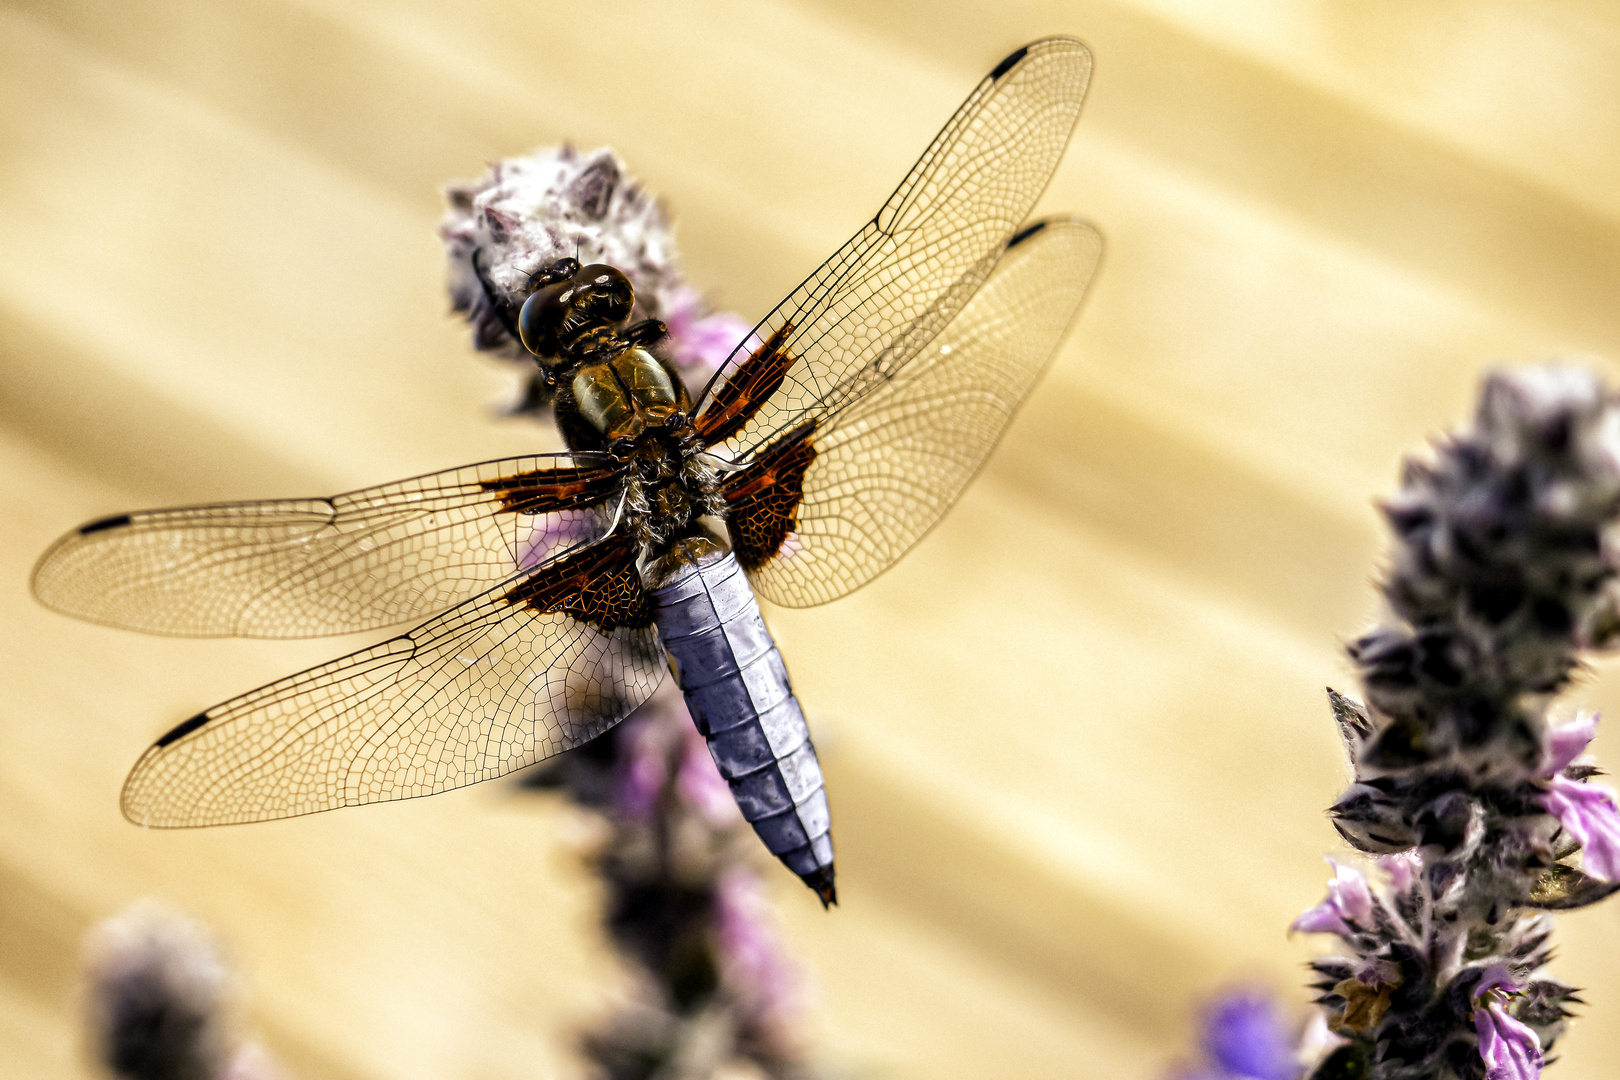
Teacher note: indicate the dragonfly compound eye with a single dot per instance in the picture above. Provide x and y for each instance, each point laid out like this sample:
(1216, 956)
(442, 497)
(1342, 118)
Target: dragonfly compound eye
(541, 315)
(603, 294)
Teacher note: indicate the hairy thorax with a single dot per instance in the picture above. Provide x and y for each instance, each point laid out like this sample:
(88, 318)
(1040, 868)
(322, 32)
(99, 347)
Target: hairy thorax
(635, 407)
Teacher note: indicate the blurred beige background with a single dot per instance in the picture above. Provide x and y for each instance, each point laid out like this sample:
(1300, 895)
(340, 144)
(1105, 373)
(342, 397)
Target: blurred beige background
(1077, 741)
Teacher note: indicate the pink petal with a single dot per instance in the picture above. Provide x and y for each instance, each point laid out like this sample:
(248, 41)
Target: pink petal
(753, 960)
(1400, 869)
(1566, 742)
(1590, 814)
(1510, 1050)
(1321, 919)
(642, 771)
(1349, 892)
(698, 341)
(1348, 900)
(1495, 977)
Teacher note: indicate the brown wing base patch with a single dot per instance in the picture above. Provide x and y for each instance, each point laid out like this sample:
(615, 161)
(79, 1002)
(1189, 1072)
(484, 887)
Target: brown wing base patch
(763, 499)
(599, 586)
(546, 491)
(737, 399)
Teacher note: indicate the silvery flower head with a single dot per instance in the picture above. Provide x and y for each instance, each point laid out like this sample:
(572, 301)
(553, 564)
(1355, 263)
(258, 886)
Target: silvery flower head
(527, 212)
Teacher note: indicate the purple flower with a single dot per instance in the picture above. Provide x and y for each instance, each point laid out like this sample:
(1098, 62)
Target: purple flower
(643, 769)
(1510, 1050)
(752, 960)
(1589, 813)
(1348, 901)
(1245, 1036)
(700, 342)
(551, 535)
(1566, 742)
(1400, 869)
(702, 787)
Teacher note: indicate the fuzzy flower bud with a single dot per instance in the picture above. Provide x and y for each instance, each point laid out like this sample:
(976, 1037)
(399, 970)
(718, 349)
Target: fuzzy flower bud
(670, 845)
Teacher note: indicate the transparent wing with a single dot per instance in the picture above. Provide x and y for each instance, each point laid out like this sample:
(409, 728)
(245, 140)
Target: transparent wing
(884, 295)
(848, 498)
(289, 568)
(496, 683)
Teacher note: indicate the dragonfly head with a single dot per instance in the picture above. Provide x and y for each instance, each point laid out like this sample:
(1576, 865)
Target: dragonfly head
(578, 315)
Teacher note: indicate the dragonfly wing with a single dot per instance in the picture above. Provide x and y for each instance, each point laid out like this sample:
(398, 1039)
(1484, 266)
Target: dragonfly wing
(290, 568)
(826, 508)
(529, 669)
(884, 295)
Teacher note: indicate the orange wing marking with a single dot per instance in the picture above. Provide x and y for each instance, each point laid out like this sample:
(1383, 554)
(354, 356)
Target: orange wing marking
(764, 497)
(599, 586)
(746, 389)
(546, 491)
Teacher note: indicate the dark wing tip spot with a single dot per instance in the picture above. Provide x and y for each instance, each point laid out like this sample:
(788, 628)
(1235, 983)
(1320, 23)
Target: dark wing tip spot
(181, 730)
(1008, 64)
(117, 521)
(1025, 233)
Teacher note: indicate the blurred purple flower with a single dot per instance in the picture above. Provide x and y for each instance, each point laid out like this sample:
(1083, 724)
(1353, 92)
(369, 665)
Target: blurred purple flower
(642, 771)
(1245, 1035)
(752, 959)
(1348, 901)
(698, 342)
(1589, 813)
(1510, 1050)
(700, 785)
(159, 999)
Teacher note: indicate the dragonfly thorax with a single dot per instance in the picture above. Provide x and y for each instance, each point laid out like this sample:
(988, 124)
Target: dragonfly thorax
(626, 395)
(670, 486)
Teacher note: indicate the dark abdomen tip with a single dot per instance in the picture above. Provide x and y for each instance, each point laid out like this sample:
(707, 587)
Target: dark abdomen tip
(820, 881)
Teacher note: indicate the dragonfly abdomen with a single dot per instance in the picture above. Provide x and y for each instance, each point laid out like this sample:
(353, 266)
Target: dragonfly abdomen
(737, 689)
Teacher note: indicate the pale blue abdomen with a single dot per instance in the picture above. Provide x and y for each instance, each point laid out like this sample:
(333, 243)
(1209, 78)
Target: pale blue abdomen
(742, 702)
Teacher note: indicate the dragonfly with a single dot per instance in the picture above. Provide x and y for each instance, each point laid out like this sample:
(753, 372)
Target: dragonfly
(558, 589)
